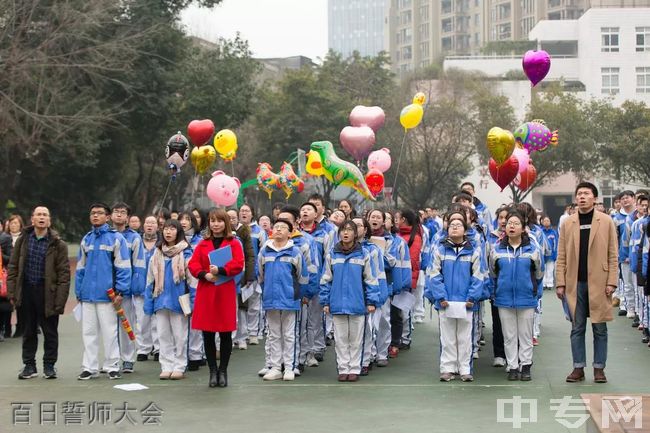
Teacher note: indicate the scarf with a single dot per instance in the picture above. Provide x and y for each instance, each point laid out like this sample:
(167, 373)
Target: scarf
(379, 232)
(189, 234)
(158, 265)
(150, 236)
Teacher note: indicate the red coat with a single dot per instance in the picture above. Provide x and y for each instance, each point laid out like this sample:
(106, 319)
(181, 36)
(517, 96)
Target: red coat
(215, 307)
(414, 250)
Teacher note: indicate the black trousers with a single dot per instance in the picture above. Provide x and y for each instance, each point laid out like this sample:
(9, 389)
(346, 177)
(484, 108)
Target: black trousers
(497, 333)
(396, 325)
(33, 309)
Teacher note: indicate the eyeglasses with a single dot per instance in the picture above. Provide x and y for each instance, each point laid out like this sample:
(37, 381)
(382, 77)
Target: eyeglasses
(98, 213)
(456, 226)
(280, 227)
(514, 223)
(120, 212)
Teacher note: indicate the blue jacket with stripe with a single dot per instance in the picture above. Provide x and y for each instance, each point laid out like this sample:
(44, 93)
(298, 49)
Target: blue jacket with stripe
(283, 275)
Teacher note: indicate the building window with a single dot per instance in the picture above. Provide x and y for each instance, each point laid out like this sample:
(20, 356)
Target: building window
(610, 81)
(643, 80)
(504, 31)
(643, 39)
(445, 6)
(424, 50)
(553, 3)
(406, 17)
(424, 12)
(447, 25)
(503, 11)
(407, 53)
(424, 31)
(609, 39)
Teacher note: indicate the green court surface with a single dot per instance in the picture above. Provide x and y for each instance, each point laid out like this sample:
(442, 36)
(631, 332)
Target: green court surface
(406, 396)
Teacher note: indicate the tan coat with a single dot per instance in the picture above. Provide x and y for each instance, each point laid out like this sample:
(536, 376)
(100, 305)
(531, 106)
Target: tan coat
(602, 264)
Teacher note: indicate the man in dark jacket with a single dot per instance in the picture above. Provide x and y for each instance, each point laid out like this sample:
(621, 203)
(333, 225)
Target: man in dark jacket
(39, 280)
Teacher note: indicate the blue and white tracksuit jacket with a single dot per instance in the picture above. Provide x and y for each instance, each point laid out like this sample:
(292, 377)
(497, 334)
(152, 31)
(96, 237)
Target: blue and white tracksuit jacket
(103, 263)
(620, 219)
(377, 260)
(168, 299)
(283, 275)
(138, 265)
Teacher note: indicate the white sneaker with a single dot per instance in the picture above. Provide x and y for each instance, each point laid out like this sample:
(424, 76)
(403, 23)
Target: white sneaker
(263, 371)
(418, 320)
(253, 341)
(296, 372)
(288, 375)
(475, 355)
(499, 362)
(630, 314)
(274, 374)
(311, 361)
(242, 345)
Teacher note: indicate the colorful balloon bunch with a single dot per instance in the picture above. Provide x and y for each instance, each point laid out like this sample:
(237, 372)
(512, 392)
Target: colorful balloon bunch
(359, 138)
(203, 155)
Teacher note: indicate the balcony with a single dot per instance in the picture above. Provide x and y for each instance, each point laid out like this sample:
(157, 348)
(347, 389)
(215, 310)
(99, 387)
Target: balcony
(562, 66)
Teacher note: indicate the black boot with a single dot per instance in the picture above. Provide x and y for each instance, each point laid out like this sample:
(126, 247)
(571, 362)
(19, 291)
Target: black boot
(222, 378)
(525, 373)
(213, 378)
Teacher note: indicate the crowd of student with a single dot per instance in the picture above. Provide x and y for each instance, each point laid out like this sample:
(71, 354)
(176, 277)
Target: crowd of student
(307, 278)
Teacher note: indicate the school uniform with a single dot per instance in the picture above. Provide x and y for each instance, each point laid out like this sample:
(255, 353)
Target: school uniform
(382, 316)
(637, 240)
(370, 332)
(538, 237)
(146, 335)
(456, 274)
(254, 311)
(348, 287)
(552, 238)
(195, 350)
(103, 263)
(625, 290)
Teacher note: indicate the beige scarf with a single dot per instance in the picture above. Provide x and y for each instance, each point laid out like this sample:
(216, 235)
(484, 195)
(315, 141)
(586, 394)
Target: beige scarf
(158, 265)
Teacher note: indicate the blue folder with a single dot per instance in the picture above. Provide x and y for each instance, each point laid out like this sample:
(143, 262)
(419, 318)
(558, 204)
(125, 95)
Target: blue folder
(219, 258)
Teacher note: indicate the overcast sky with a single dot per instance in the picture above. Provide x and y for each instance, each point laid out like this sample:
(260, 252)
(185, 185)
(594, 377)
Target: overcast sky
(273, 28)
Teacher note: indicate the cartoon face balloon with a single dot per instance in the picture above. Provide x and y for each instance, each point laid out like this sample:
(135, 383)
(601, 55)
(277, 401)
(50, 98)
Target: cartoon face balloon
(222, 189)
(379, 160)
(177, 151)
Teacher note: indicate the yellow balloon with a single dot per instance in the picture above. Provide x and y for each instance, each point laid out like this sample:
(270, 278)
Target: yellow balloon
(314, 164)
(225, 142)
(411, 116)
(419, 98)
(500, 144)
(202, 158)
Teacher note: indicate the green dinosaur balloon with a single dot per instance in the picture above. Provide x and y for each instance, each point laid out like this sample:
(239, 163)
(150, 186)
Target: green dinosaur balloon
(340, 172)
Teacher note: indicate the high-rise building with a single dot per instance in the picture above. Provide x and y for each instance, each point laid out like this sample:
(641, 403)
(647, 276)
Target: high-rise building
(356, 25)
(418, 32)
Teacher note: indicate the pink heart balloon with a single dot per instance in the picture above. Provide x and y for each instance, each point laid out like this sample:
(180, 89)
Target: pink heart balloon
(357, 141)
(373, 117)
(536, 65)
(523, 158)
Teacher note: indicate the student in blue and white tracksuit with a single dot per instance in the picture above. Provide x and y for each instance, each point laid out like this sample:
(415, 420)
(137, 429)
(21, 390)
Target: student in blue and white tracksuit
(283, 275)
(377, 260)
(516, 270)
(103, 263)
(552, 238)
(119, 217)
(168, 278)
(456, 274)
(192, 230)
(493, 240)
(622, 220)
(637, 240)
(146, 334)
(645, 268)
(349, 290)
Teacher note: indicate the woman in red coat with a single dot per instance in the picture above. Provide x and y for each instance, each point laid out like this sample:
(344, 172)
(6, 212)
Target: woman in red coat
(215, 306)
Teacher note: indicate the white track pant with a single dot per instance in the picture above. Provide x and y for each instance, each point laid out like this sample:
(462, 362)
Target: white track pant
(195, 345)
(316, 326)
(382, 317)
(283, 338)
(549, 274)
(143, 328)
(418, 308)
(127, 347)
(517, 326)
(640, 304)
(99, 319)
(254, 314)
(629, 287)
(368, 339)
(455, 344)
(172, 333)
(537, 319)
(348, 335)
(241, 333)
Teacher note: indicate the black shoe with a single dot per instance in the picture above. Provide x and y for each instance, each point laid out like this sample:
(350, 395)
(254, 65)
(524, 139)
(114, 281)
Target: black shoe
(636, 322)
(645, 339)
(202, 363)
(404, 346)
(49, 372)
(301, 368)
(114, 375)
(86, 375)
(28, 372)
(525, 373)
(222, 379)
(320, 356)
(622, 313)
(214, 381)
(364, 371)
(142, 357)
(192, 365)
(156, 356)
(513, 375)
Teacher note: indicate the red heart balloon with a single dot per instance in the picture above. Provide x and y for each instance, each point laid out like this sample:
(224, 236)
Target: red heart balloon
(526, 179)
(375, 181)
(200, 131)
(505, 173)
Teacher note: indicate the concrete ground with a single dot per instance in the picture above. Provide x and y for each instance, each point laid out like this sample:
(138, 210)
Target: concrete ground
(404, 397)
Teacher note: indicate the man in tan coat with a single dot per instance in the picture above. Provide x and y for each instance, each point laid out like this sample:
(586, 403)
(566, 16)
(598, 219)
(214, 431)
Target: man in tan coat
(587, 275)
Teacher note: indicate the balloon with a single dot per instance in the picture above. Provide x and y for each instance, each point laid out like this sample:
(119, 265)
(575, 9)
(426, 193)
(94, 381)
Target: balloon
(504, 174)
(524, 180)
(411, 116)
(536, 65)
(225, 142)
(222, 189)
(375, 181)
(522, 157)
(357, 140)
(177, 151)
(534, 136)
(419, 98)
(554, 138)
(314, 165)
(267, 180)
(500, 144)
(372, 117)
(289, 180)
(340, 172)
(202, 158)
(200, 131)
(379, 160)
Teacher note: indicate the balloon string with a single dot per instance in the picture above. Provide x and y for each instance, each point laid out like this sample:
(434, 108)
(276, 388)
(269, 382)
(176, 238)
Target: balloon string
(399, 160)
(162, 202)
(232, 164)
